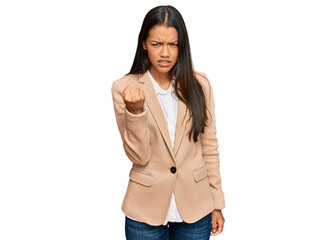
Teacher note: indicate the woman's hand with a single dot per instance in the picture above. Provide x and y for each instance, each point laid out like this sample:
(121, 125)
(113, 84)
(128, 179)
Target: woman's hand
(217, 221)
(134, 99)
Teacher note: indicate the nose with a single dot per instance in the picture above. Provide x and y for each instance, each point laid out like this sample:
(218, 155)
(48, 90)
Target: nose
(164, 51)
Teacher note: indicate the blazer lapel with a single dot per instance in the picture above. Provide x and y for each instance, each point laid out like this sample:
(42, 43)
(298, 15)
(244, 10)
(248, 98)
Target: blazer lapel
(180, 124)
(156, 110)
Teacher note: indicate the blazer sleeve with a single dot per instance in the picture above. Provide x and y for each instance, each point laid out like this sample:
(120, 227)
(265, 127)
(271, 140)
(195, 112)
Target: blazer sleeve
(133, 128)
(210, 147)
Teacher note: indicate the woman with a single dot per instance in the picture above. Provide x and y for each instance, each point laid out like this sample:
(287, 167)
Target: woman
(165, 115)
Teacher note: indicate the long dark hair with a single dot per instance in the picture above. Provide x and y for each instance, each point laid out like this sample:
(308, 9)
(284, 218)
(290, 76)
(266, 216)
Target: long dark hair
(186, 86)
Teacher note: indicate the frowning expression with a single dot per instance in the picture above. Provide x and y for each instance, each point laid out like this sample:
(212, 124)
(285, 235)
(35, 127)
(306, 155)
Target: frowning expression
(162, 48)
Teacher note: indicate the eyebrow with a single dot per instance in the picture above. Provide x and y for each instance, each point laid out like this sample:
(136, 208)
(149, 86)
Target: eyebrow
(162, 42)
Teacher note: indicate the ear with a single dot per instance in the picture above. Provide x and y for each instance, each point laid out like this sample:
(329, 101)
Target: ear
(144, 45)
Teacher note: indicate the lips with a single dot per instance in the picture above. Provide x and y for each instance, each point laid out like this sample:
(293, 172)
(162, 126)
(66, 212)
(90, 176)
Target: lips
(164, 63)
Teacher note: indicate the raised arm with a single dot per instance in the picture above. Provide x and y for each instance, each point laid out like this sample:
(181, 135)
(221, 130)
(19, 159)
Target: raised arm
(131, 117)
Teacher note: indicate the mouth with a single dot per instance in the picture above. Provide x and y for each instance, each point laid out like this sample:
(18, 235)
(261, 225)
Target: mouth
(164, 63)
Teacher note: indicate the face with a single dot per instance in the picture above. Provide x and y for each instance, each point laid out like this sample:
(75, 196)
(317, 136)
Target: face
(162, 49)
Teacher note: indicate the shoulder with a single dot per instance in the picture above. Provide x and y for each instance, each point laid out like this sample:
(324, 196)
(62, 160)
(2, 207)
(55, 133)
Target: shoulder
(203, 80)
(127, 79)
(121, 83)
(201, 76)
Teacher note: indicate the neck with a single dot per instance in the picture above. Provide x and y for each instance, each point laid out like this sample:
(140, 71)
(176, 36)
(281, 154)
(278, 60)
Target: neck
(163, 79)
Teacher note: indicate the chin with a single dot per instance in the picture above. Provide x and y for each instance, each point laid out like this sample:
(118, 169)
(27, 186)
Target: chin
(163, 70)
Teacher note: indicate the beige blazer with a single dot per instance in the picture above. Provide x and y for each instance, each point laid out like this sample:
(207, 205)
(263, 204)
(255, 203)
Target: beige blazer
(152, 179)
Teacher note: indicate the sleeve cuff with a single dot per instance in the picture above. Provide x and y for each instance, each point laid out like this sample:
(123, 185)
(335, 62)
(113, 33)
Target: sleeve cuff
(136, 122)
(135, 115)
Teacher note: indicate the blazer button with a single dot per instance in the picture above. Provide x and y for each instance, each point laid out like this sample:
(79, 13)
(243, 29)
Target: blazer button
(173, 169)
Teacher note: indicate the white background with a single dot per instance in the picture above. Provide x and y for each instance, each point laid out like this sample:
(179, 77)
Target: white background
(63, 172)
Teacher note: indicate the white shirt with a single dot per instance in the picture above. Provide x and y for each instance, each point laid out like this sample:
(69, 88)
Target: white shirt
(168, 101)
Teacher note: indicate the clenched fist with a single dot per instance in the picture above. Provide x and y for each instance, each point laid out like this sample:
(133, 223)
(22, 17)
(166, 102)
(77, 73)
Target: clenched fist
(134, 99)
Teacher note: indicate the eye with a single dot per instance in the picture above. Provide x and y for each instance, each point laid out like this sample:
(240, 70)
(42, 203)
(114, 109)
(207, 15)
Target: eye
(156, 44)
(173, 44)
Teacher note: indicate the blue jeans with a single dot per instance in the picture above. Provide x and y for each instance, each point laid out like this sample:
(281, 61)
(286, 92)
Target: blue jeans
(199, 230)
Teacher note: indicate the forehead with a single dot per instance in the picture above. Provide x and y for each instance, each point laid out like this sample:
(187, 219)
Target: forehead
(163, 33)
